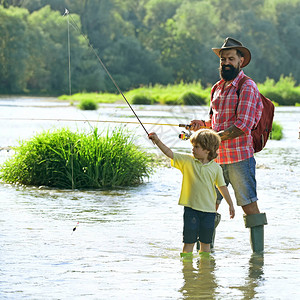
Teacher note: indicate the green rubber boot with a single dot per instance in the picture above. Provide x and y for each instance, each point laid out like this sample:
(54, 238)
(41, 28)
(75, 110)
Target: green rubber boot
(256, 224)
(187, 256)
(217, 221)
(204, 255)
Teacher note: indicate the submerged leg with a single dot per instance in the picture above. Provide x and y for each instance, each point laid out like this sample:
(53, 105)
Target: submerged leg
(188, 248)
(204, 247)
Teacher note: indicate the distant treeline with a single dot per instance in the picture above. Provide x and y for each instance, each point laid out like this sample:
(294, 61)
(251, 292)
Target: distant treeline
(141, 42)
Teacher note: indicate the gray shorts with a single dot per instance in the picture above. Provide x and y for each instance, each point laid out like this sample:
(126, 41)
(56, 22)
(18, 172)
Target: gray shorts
(241, 176)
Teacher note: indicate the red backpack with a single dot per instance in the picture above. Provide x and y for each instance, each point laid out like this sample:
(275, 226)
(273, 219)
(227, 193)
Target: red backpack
(260, 133)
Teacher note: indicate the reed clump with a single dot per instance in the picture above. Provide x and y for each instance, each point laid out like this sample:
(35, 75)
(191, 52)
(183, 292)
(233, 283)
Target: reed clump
(88, 104)
(142, 99)
(277, 131)
(74, 160)
(192, 98)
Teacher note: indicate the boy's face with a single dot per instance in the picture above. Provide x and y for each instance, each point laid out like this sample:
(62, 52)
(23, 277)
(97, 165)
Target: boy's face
(199, 152)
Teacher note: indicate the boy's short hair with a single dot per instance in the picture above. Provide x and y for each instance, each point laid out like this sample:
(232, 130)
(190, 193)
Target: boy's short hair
(208, 139)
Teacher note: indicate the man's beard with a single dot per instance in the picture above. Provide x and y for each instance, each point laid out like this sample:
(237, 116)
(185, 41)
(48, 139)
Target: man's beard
(230, 74)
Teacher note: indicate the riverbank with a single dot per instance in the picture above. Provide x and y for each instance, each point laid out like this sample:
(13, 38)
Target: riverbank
(284, 92)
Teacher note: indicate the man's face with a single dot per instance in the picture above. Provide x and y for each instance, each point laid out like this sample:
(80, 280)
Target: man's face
(230, 63)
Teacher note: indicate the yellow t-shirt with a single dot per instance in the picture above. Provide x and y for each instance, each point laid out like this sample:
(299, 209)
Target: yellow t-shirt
(198, 183)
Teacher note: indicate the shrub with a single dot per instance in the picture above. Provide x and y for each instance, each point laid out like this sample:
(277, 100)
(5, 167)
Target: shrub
(87, 104)
(191, 98)
(284, 92)
(274, 96)
(276, 131)
(170, 100)
(64, 159)
(142, 99)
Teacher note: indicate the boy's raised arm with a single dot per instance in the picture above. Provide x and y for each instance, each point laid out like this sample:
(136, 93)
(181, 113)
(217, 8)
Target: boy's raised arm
(164, 149)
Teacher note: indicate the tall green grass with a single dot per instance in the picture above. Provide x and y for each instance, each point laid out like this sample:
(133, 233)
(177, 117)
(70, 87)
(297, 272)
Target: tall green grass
(74, 160)
(282, 92)
(177, 94)
(97, 97)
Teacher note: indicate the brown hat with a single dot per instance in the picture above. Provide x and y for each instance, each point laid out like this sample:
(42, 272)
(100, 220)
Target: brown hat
(231, 43)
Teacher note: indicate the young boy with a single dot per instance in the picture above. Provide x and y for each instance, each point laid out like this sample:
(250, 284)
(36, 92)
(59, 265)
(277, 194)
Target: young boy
(198, 195)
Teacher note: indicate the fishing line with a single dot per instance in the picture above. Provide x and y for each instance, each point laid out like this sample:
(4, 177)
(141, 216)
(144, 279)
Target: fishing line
(92, 121)
(103, 66)
(69, 56)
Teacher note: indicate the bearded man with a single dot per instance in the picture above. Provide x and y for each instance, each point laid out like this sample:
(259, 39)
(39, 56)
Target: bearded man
(233, 114)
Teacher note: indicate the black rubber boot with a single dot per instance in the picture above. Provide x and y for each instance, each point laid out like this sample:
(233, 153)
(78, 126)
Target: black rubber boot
(256, 224)
(217, 221)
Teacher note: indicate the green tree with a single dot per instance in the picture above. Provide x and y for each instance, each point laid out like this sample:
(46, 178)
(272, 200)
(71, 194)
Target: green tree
(13, 50)
(141, 41)
(8, 3)
(133, 65)
(184, 38)
(197, 24)
(48, 67)
(288, 20)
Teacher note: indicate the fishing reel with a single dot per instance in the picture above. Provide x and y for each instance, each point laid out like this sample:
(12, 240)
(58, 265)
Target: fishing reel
(185, 135)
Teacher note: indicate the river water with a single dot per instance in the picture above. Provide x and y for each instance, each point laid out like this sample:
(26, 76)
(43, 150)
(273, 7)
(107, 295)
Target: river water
(127, 242)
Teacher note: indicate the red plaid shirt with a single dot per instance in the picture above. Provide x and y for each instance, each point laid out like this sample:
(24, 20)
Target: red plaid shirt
(244, 112)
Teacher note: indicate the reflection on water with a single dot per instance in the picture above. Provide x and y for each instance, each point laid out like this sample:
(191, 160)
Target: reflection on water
(128, 241)
(254, 278)
(199, 280)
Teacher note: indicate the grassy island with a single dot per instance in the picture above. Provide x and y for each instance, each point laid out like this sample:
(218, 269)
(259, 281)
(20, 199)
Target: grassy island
(74, 160)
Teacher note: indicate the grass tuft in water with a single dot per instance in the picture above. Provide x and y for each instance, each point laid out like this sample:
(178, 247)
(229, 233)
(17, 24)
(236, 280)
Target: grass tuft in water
(87, 104)
(277, 133)
(74, 160)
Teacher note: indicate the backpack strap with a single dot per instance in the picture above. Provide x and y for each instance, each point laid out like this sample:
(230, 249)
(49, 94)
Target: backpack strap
(211, 96)
(241, 82)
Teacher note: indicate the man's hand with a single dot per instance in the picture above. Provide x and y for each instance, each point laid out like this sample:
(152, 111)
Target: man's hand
(230, 133)
(198, 124)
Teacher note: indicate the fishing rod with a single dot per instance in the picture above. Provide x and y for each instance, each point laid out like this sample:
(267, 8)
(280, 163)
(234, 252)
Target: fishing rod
(67, 13)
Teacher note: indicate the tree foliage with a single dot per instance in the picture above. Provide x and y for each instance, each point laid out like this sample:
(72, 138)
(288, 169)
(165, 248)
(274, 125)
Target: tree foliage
(141, 42)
